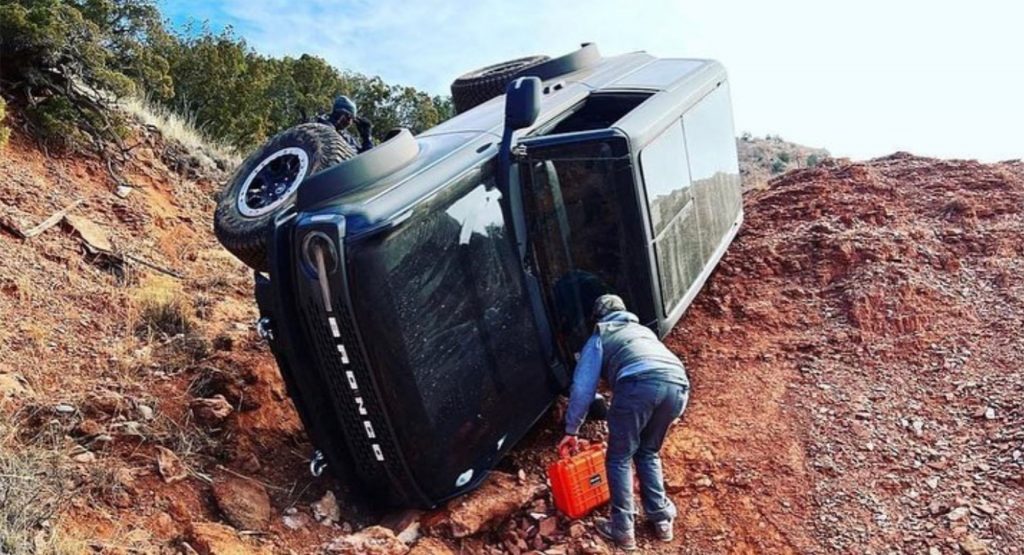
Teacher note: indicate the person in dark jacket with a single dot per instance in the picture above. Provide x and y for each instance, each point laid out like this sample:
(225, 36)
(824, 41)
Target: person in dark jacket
(343, 113)
(649, 391)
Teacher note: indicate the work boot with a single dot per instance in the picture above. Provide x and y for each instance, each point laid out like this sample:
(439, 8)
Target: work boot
(663, 530)
(604, 527)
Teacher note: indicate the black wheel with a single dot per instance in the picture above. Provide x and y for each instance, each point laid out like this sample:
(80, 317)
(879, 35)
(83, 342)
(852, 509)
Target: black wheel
(265, 185)
(481, 85)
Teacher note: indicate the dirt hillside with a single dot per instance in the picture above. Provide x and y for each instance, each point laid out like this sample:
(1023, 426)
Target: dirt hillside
(763, 158)
(857, 362)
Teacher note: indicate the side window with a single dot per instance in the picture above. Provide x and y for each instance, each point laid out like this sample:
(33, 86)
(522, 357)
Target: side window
(710, 139)
(666, 176)
(694, 160)
(711, 145)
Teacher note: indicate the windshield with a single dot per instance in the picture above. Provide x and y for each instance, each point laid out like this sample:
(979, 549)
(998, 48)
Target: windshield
(585, 232)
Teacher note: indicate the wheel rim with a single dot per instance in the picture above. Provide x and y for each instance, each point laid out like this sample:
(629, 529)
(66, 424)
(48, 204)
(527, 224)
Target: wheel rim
(272, 182)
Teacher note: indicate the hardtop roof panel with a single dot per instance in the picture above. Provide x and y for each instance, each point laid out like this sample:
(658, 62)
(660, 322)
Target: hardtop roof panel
(658, 75)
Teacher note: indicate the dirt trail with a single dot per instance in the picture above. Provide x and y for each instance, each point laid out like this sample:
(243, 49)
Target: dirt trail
(857, 365)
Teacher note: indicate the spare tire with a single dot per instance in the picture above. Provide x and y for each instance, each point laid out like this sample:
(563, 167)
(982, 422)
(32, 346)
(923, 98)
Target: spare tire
(480, 85)
(264, 186)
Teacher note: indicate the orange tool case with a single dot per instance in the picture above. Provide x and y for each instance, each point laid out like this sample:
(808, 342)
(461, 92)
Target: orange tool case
(579, 482)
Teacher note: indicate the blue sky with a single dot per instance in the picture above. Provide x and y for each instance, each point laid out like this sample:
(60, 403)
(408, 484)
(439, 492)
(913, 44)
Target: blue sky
(862, 79)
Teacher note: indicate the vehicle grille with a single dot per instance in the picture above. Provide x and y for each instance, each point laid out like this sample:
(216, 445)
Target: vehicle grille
(343, 396)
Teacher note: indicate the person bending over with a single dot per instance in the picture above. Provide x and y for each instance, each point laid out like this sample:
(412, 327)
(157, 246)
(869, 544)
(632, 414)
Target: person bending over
(649, 391)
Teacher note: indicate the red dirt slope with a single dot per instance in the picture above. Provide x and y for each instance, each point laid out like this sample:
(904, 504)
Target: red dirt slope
(858, 366)
(856, 362)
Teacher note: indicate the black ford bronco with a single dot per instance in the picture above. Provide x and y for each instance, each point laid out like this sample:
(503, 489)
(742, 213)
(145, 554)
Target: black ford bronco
(425, 300)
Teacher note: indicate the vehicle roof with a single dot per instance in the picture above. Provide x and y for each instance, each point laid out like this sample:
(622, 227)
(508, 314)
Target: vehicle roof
(470, 139)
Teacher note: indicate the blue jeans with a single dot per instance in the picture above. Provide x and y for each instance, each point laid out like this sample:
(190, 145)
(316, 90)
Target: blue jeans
(641, 413)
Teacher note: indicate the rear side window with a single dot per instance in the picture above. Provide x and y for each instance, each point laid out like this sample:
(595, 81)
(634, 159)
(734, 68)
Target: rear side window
(666, 176)
(692, 182)
(711, 145)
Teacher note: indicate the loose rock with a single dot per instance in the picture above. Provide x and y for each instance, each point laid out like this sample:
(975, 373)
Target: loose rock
(103, 403)
(145, 412)
(973, 546)
(84, 457)
(375, 540)
(431, 546)
(211, 538)
(245, 503)
(170, 466)
(14, 386)
(326, 510)
(958, 513)
(211, 412)
(295, 521)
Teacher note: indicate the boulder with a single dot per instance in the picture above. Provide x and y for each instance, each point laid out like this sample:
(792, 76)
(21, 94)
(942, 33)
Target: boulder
(245, 503)
(496, 500)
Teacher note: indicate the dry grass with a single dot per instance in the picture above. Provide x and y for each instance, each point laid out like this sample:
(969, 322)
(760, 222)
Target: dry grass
(32, 492)
(180, 129)
(160, 308)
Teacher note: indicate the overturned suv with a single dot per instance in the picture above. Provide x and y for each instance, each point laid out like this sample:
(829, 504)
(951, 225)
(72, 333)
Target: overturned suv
(425, 300)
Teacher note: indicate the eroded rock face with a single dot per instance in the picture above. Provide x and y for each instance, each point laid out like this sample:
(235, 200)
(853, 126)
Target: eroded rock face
(245, 503)
(375, 540)
(493, 502)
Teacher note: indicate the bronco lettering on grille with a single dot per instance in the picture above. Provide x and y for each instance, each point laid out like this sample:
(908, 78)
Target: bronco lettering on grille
(378, 453)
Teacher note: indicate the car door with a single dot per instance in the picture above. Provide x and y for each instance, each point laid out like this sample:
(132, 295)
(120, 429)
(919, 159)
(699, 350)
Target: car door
(583, 226)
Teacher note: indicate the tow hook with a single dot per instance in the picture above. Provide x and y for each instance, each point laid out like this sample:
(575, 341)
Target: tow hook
(317, 464)
(264, 329)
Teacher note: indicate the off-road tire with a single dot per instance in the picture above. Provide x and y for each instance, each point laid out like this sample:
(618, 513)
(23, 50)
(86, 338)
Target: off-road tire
(480, 85)
(246, 236)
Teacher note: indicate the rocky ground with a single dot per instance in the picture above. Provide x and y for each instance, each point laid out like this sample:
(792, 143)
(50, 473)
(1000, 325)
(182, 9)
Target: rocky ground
(856, 363)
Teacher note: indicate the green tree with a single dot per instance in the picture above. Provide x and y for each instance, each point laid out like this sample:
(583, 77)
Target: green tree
(66, 62)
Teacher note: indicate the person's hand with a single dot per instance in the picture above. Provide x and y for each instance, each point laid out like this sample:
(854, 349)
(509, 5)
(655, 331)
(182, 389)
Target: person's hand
(364, 127)
(569, 443)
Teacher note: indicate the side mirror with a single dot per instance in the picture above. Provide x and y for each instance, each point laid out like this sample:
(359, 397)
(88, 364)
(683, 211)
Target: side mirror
(522, 102)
